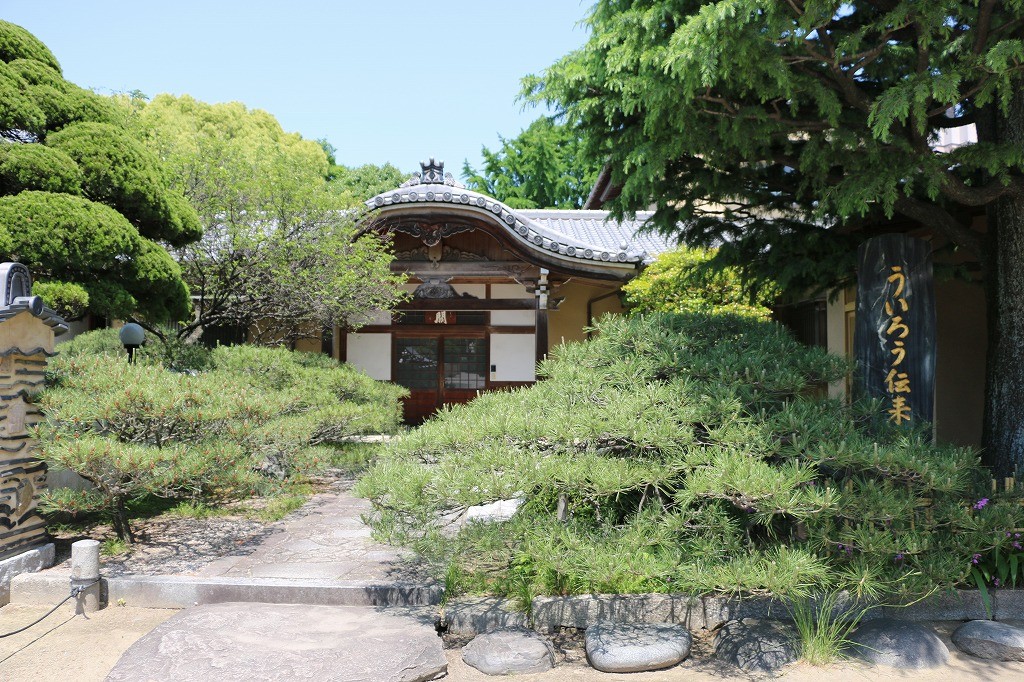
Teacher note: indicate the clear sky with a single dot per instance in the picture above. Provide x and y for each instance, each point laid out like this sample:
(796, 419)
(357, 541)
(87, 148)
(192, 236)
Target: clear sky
(393, 81)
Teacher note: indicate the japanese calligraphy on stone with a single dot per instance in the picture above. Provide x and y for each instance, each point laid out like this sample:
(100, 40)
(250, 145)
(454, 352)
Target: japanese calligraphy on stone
(894, 341)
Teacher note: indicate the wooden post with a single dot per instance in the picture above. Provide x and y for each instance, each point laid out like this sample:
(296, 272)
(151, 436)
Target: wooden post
(542, 315)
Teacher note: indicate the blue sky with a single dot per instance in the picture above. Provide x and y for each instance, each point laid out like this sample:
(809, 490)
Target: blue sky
(390, 81)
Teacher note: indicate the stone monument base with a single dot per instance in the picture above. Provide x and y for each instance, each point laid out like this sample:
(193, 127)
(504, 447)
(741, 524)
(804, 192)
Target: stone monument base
(29, 561)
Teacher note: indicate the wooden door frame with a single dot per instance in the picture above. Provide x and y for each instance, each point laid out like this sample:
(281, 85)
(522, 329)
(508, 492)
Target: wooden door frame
(439, 333)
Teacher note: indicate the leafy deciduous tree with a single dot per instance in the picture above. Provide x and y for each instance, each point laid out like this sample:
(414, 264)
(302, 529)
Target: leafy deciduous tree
(682, 281)
(279, 253)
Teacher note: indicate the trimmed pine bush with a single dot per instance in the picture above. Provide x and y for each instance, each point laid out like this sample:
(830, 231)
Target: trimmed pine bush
(685, 453)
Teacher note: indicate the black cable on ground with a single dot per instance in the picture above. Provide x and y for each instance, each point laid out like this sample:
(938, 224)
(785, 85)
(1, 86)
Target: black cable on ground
(75, 591)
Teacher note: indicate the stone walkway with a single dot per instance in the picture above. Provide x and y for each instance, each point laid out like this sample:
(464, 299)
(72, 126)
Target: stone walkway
(320, 554)
(325, 540)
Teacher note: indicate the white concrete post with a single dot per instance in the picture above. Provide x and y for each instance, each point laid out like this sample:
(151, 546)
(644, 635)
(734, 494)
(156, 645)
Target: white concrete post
(85, 574)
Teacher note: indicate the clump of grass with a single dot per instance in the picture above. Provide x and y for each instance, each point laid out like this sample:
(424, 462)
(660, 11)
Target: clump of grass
(114, 547)
(194, 509)
(280, 506)
(824, 624)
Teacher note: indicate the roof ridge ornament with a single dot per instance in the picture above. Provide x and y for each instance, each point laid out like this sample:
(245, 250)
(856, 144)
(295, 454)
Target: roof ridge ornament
(432, 173)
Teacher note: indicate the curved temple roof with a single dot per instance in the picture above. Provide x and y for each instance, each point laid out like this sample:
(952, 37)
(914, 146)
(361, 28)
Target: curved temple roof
(572, 235)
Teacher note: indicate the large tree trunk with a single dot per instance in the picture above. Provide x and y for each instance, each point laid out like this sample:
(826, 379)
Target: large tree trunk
(1003, 436)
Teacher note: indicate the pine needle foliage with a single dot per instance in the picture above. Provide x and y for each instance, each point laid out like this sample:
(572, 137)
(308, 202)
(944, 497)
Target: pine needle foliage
(143, 430)
(690, 453)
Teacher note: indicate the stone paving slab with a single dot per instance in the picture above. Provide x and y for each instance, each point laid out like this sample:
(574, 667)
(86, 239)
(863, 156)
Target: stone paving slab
(325, 540)
(321, 554)
(243, 641)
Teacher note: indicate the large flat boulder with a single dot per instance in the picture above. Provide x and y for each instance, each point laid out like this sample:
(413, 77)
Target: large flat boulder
(756, 647)
(630, 648)
(899, 644)
(246, 641)
(509, 652)
(989, 639)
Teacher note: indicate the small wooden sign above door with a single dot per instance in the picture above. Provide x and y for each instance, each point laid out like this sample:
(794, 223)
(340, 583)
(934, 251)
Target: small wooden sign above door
(439, 317)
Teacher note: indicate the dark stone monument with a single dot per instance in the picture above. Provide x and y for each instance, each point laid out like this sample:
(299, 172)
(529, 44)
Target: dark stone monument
(894, 338)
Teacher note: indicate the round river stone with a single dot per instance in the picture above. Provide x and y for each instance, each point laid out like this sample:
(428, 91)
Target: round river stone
(509, 652)
(899, 644)
(989, 639)
(756, 647)
(630, 648)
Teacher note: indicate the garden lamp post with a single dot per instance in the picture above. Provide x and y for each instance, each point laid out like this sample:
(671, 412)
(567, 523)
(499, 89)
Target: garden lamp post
(132, 336)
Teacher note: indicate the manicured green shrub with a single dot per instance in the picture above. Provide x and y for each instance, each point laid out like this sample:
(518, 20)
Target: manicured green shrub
(141, 430)
(681, 281)
(685, 453)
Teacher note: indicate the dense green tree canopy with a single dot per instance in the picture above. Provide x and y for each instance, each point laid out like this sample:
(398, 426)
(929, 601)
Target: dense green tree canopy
(355, 184)
(278, 254)
(82, 203)
(542, 167)
(775, 127)
(358, 183)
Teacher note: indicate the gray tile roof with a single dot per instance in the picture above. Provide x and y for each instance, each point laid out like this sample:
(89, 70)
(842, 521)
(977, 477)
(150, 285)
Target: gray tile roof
(598, 228)
(574, 235)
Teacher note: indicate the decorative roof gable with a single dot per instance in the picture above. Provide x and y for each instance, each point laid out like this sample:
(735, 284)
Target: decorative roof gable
(598, 238)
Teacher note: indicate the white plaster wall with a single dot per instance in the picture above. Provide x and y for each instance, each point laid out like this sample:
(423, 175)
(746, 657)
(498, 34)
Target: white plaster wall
(478, 290)
(509, 291)
(512, 318)
(370, 353)
(374, 317)
(514, 357)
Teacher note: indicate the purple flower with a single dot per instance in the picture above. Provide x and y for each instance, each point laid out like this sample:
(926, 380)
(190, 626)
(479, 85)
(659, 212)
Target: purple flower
(976, 558)
(980, 504)
(995, 581)
(899, 557)
(1015, 544)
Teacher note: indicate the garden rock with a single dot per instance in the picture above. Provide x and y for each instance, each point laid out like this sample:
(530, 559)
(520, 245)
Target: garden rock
(989, 639)
(248, 642)
(899, 644)
(509, 652)
(495, 512)
(274, 465)
(756, 647)
(635, 647)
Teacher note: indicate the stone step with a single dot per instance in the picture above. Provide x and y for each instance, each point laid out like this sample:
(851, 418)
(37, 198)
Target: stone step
(245, 642)
(183, 591)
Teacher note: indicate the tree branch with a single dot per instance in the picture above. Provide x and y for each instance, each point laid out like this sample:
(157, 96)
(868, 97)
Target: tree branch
(934, 216)
(955, 188)
(983, 24)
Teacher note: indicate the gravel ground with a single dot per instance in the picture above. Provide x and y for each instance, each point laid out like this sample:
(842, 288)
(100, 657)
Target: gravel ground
(170, 545)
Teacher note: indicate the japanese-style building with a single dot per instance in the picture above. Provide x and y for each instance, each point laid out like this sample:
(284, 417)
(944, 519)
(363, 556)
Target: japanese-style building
(493, 288)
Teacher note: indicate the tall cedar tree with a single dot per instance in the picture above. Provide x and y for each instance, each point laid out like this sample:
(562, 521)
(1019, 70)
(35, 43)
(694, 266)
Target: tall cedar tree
(776, 125)
(82, 203)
